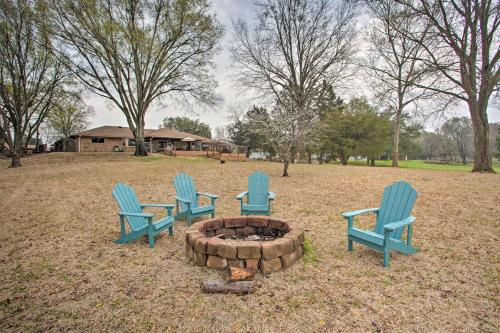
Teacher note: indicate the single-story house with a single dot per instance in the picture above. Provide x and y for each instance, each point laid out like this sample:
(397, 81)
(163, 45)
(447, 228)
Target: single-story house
(118, 138)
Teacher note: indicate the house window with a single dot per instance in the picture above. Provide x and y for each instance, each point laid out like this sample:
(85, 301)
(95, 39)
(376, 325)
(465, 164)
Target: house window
(131, 142)
(97, 140)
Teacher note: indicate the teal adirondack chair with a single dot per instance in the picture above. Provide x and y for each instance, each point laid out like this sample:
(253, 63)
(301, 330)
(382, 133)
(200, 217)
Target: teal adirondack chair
(392, 217)
(187, 197)
(258, 196)
(140, 223)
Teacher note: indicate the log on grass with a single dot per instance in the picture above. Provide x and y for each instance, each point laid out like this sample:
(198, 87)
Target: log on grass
(221, 286)
(239, 274)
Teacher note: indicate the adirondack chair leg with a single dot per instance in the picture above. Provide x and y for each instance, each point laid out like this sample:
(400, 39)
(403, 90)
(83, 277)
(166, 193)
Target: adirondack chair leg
(387, 249)
(171, 231)
(151, 236)
(349, 245)
(213, 214)
(408, 236)
(123, 235)
(386, 257)
(189, 219)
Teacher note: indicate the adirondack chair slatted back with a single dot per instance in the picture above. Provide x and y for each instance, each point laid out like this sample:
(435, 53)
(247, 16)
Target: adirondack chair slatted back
(185, 188)
(258, 187)
(397, 203)
(127, 200)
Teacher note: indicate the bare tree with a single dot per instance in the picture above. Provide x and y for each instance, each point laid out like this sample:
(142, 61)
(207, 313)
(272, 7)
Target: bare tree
(29, 74)
(134, 52)
(69, 116)
(395, 66)
(459, 131)
(294, 46)
(281, 128)
(468, 56)
(219, 133)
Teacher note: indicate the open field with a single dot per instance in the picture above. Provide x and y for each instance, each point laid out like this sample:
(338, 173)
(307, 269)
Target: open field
(60, 270)
(420, 164)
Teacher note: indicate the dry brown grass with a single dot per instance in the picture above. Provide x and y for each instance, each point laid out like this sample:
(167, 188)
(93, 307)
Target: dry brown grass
(60, 270)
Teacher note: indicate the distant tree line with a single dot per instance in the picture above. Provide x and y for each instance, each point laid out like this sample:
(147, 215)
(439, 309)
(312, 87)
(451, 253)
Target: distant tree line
(357, 129)
(185, 124)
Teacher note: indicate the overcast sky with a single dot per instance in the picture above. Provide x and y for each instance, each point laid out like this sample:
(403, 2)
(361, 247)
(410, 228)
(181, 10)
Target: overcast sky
(226, 10)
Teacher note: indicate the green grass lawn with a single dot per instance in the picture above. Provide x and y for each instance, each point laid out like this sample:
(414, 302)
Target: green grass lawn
(425, 165)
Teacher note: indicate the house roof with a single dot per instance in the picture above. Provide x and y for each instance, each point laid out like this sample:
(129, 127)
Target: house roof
(111, 132)
(174, 134)
(126, 133)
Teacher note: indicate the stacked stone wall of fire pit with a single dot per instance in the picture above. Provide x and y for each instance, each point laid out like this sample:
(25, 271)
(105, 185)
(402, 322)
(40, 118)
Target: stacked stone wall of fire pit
(221, 242)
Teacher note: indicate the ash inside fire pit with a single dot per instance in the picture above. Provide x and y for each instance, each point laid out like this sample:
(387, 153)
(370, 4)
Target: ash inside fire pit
(265, 236)
(258, 242)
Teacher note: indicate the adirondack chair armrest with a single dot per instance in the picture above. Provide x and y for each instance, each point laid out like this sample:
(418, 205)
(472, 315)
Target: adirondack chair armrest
(168, 207)
(186, 201)
(212, 196)
(396, 225)
(359, 212)
(271, 195)
(145, 215)
(241, 195)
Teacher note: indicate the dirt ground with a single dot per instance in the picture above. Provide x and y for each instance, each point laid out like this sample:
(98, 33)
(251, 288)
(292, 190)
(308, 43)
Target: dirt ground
(61, 272)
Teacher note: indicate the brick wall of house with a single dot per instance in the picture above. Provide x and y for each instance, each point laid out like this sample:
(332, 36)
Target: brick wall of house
(86, 145)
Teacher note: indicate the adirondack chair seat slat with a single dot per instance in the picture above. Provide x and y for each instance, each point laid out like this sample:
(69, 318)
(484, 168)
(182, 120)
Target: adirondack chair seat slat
(370, 236)
(259, 208)
(163, 222)
(140, 223)
(393, 217)
(258, 196)
(186, 199)
(204, 209)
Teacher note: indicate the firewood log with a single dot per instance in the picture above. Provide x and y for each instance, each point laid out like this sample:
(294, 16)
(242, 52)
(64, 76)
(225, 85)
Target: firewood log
(221, 286)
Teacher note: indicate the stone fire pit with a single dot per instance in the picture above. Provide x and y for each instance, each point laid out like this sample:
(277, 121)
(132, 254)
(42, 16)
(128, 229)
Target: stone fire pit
(258, 242)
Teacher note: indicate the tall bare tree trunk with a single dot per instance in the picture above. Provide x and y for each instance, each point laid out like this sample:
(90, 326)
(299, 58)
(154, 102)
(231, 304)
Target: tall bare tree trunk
(285, 168)
(17, 152)
(482, 156)
(140, 149)
(395, 137)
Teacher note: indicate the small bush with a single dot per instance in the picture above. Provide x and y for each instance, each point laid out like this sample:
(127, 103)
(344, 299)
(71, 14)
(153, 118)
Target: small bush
(309, 255)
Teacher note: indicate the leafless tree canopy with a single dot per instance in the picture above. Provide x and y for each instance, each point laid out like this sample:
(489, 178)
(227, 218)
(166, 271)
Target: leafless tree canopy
(400, 77)
(135, 51)
(293, 47)
(30, 76)
(467, 55)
